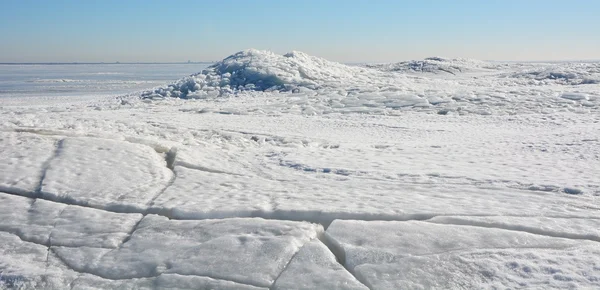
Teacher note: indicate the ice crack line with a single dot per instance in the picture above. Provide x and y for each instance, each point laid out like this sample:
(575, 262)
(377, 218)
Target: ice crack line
(521, 228)
(59, 147)
(340, 255)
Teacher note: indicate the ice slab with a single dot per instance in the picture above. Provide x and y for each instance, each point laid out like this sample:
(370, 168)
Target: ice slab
(571, 228)
(197, 194)
(79, 226)
(214, 159)
(25, 265)
(104, 173)
(22, 159)
(32, 220)
(573, 268)
(246, 251)
(376, 249)
(164, 281)
(315, 267)
(50, 223)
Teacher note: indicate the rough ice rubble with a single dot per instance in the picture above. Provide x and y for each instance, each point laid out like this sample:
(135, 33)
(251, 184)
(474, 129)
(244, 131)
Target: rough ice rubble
(298, 83)
(437, 65)
(256, 70)
(562, 74)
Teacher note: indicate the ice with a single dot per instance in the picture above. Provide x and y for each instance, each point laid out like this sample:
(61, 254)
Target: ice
(164, 281)
(105, 174)
(436, 173)
(415, 255)
(302, 84)
(78, 226)
(557, 227)
(260, 70)
(198, 194)
(436, 65)
(49, 223)
(31, 220)
(563, 74)
(22, 158)
(575, 268)
(314, 266)
(247, 251)
(25, 265)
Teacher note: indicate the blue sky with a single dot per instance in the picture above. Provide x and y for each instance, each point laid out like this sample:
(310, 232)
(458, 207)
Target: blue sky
(340, 30)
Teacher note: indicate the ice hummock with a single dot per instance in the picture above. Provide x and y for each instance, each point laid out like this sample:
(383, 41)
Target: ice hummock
(437, 65)
(561, 73)
(257, 70)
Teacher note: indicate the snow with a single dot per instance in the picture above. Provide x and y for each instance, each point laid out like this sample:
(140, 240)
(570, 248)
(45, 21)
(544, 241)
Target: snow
(267, 171)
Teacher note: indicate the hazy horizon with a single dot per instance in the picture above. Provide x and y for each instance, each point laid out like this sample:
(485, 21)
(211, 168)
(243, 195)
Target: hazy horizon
(345, 31)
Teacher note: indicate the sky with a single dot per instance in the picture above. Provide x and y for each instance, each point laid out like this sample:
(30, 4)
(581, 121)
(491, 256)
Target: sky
(339, 30)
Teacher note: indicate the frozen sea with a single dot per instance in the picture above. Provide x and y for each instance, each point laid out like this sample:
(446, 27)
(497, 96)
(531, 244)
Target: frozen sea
(268, 171)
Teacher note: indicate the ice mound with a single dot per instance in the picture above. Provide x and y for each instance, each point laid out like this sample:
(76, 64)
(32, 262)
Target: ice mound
(562, 74)
(434, 65)
(256, 70)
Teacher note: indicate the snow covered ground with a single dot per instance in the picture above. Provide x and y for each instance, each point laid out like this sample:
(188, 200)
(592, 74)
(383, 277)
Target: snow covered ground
(269, 171)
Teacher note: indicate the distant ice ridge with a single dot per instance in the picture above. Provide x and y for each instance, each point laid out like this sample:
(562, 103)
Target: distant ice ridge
(256, 70)
(563, 74)
(297, 83)
(435, 65)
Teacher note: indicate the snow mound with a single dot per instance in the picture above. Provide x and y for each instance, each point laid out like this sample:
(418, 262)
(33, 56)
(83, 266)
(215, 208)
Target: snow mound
(437, 65)
(256, 70)
(563, 74)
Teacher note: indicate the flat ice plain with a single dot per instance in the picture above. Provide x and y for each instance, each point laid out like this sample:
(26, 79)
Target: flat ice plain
(268, 171)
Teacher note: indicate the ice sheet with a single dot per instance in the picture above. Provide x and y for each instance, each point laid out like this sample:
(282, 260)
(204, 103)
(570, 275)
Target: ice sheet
(416, 255)
(22, 161)
(458, 173)
(314, 266)
(105, 174)
(247, 251)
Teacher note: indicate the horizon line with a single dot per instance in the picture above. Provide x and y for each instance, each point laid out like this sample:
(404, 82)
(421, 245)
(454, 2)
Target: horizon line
(352, 62)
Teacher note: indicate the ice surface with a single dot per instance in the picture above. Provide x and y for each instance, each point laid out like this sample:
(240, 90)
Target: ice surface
(247, 251)
(56, 224)
(575, 268)
(25, 265)
(415, 255)
(457, 173)
(105, 174)
(314, 266)
(164, 281)
(22, 158)
(586, 229)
